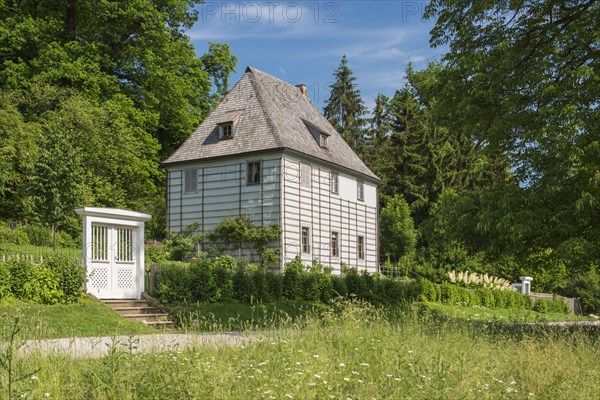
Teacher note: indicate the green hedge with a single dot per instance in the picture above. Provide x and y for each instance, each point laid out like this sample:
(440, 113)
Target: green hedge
(224, 280)
(57, 280)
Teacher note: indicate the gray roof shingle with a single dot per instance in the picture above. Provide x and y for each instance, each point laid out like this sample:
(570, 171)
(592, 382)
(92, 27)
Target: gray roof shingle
(272, 116)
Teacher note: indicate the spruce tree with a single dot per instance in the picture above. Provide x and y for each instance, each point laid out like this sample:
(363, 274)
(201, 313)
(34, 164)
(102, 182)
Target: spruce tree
(345, 109)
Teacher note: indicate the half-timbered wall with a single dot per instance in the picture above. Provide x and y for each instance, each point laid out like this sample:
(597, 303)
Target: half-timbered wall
(323, 212)
(223, 192)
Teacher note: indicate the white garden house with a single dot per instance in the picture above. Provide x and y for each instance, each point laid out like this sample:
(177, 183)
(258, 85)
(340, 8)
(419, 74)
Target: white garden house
(113, 252)
(267, 152)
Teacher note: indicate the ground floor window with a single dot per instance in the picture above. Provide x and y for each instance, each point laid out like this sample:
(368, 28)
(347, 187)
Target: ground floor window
(335, 249)
(360, 247)
(306, 240)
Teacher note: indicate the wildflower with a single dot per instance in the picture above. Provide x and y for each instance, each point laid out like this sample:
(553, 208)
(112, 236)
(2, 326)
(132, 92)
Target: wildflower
(364, 364)
(34, 378)
(46, 395)
(346, 379)
(342, 365)
(318, 376)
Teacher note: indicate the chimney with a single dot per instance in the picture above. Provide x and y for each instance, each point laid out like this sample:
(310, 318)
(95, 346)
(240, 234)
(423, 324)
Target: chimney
(302, 88)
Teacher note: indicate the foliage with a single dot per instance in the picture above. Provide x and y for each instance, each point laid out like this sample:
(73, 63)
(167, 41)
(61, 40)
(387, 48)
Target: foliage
(551, 306)
(344, 107)
(529, 73)
(185, 244)
(241, 233)
(70, 274)
(58, 280)
(397, 233)
(81, 76)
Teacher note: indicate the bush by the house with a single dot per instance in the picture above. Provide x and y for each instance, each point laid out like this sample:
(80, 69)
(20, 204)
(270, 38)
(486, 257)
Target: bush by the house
(223, 279)
(57, 280)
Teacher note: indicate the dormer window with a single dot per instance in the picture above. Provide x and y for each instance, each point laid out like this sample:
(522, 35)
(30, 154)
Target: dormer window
(320, 136)
(227, 124)
(323, 140)
(226, 130)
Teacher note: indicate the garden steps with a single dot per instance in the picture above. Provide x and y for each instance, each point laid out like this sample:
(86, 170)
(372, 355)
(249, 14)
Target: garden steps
(141, 311)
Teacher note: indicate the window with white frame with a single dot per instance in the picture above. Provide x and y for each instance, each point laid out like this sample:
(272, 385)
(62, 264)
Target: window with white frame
(335, 244)
(305, 240)
(360, 190)
(360, 247)
(334, 182)
(226, 130)
(323, 139)
(190, 180)
(305, 175)
(254, 172)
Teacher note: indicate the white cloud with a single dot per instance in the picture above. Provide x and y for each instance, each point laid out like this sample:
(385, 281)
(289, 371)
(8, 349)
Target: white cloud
(273, 20)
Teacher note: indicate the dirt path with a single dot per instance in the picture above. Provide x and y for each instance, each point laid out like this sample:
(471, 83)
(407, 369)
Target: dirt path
(100, 346)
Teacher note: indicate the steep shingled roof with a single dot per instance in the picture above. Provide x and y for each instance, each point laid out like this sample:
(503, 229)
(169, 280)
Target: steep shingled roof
(273, 115)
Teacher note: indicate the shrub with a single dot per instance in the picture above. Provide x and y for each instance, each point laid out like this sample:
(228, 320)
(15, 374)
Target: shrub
(243, 285)
(18, 237)
(38, 235)
(70, 275)
(274, 285)
(174, 282)
(34, 283)
(551, 306)
(340, 289)
(292, 279)
(486, 298)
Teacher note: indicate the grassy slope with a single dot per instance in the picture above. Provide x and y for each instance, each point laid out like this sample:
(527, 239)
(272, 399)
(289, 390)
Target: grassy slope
(86, 318)
(353, 352)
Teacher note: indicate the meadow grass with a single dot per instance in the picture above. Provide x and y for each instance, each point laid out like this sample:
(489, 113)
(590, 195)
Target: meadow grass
(82, 319)
(11, 249)
(482, 314)
(347, 351)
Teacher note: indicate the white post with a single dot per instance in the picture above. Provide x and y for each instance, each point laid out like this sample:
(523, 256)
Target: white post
(526, 284)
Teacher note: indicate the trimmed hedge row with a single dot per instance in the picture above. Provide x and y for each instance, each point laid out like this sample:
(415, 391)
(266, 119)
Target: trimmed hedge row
(58, 280)
(224, 280)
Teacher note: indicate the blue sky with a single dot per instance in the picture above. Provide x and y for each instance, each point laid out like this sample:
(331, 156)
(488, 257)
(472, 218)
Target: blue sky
(303, 41)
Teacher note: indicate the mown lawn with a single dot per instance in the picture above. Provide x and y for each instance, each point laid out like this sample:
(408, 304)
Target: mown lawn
(83, 319)
(348, 351)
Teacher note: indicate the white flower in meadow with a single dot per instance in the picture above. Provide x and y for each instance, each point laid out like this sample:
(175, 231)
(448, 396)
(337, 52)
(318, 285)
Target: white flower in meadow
(318, 376)
(342, 365)
(346, 379)
(46, 395)
(364, 364)
(34, 378)
(410, 351)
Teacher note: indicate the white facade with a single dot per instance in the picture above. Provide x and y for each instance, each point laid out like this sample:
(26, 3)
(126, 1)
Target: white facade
(285, 196)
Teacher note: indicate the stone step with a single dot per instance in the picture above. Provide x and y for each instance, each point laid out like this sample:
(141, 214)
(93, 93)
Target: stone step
(126, 303)
(136, 310)
(162, 325)
(141, 311)
(146, 317)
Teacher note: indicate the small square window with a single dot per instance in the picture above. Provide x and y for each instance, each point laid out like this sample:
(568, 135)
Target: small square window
(305, 240)
(334, 180)
(360, 190)
(254, 172)
(191, 181)
(323, 140)
(335, 246)
(227, 130)
(360, 247)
